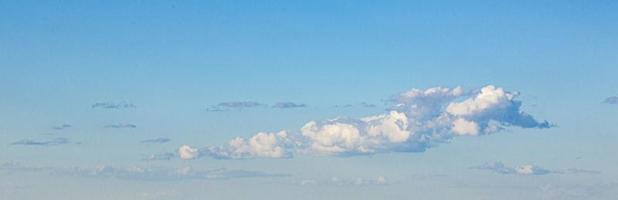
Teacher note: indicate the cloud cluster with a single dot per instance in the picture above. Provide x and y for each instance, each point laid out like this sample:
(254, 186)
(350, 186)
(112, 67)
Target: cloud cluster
(529, 169)
(417, 120)
(113, 105)
(611, 100)
(266, 145)
(50, 142)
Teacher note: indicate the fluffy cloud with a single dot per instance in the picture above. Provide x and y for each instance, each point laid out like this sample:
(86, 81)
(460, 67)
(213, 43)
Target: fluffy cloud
(188, 153)
(494, 104)
(267, 145)
(416, 120)
(611, 100)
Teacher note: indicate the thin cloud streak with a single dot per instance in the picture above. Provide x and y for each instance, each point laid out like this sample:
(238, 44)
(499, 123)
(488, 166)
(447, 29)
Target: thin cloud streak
(120, 126)
(156, 140)
(143, 173)
(50, 142)
(113, 105)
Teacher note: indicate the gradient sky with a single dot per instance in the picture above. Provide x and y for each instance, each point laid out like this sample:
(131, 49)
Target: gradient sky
(166, 64)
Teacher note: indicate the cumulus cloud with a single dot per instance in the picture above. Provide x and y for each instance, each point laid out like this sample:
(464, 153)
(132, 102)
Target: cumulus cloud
(188, 153)
(267, 145)
(142, 173)
(529, 169)
(49, 142)
(234, 105)
(113, 105)
(121, 125)
(416, 120)
(284, 105)
(157, 140)
(62, 127)
(611, 100)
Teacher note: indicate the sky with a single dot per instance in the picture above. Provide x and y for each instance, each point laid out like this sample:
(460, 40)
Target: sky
(308, 100)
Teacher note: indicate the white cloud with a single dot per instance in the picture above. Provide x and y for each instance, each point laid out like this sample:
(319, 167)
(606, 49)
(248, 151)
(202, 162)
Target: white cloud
(188, 153)
(531, 170)
(417, 120)
(489, 97)
(267, 145)
(465, 127)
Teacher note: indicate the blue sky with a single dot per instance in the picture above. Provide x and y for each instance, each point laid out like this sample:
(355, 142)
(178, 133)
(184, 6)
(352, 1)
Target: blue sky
(98, 98)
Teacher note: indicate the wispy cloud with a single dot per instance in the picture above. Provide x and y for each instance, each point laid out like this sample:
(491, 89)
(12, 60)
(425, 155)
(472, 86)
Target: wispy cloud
(121, 125)
(113, 105)
(362, 105)
(234, 105)
(343, 106)
(368, 105)
(160, 156)
(156, 140)
(611, 100)
(285, 105)
(337, 181)
(417, 120)
(50, 142)
(143, 173)
(62, 126)
(528, 169)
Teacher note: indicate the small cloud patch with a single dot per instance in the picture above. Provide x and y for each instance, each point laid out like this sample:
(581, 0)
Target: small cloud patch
(113, 105)
(286, 105)
(611, 100)
(234, 105)
(50, 142)
(62, 126)
(528, 169)
(120, 126)
(157, 140)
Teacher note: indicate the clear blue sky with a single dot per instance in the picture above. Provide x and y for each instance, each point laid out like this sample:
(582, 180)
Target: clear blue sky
(164, 64)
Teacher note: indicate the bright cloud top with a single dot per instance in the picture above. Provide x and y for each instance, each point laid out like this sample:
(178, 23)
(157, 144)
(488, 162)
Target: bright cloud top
(417, 120)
